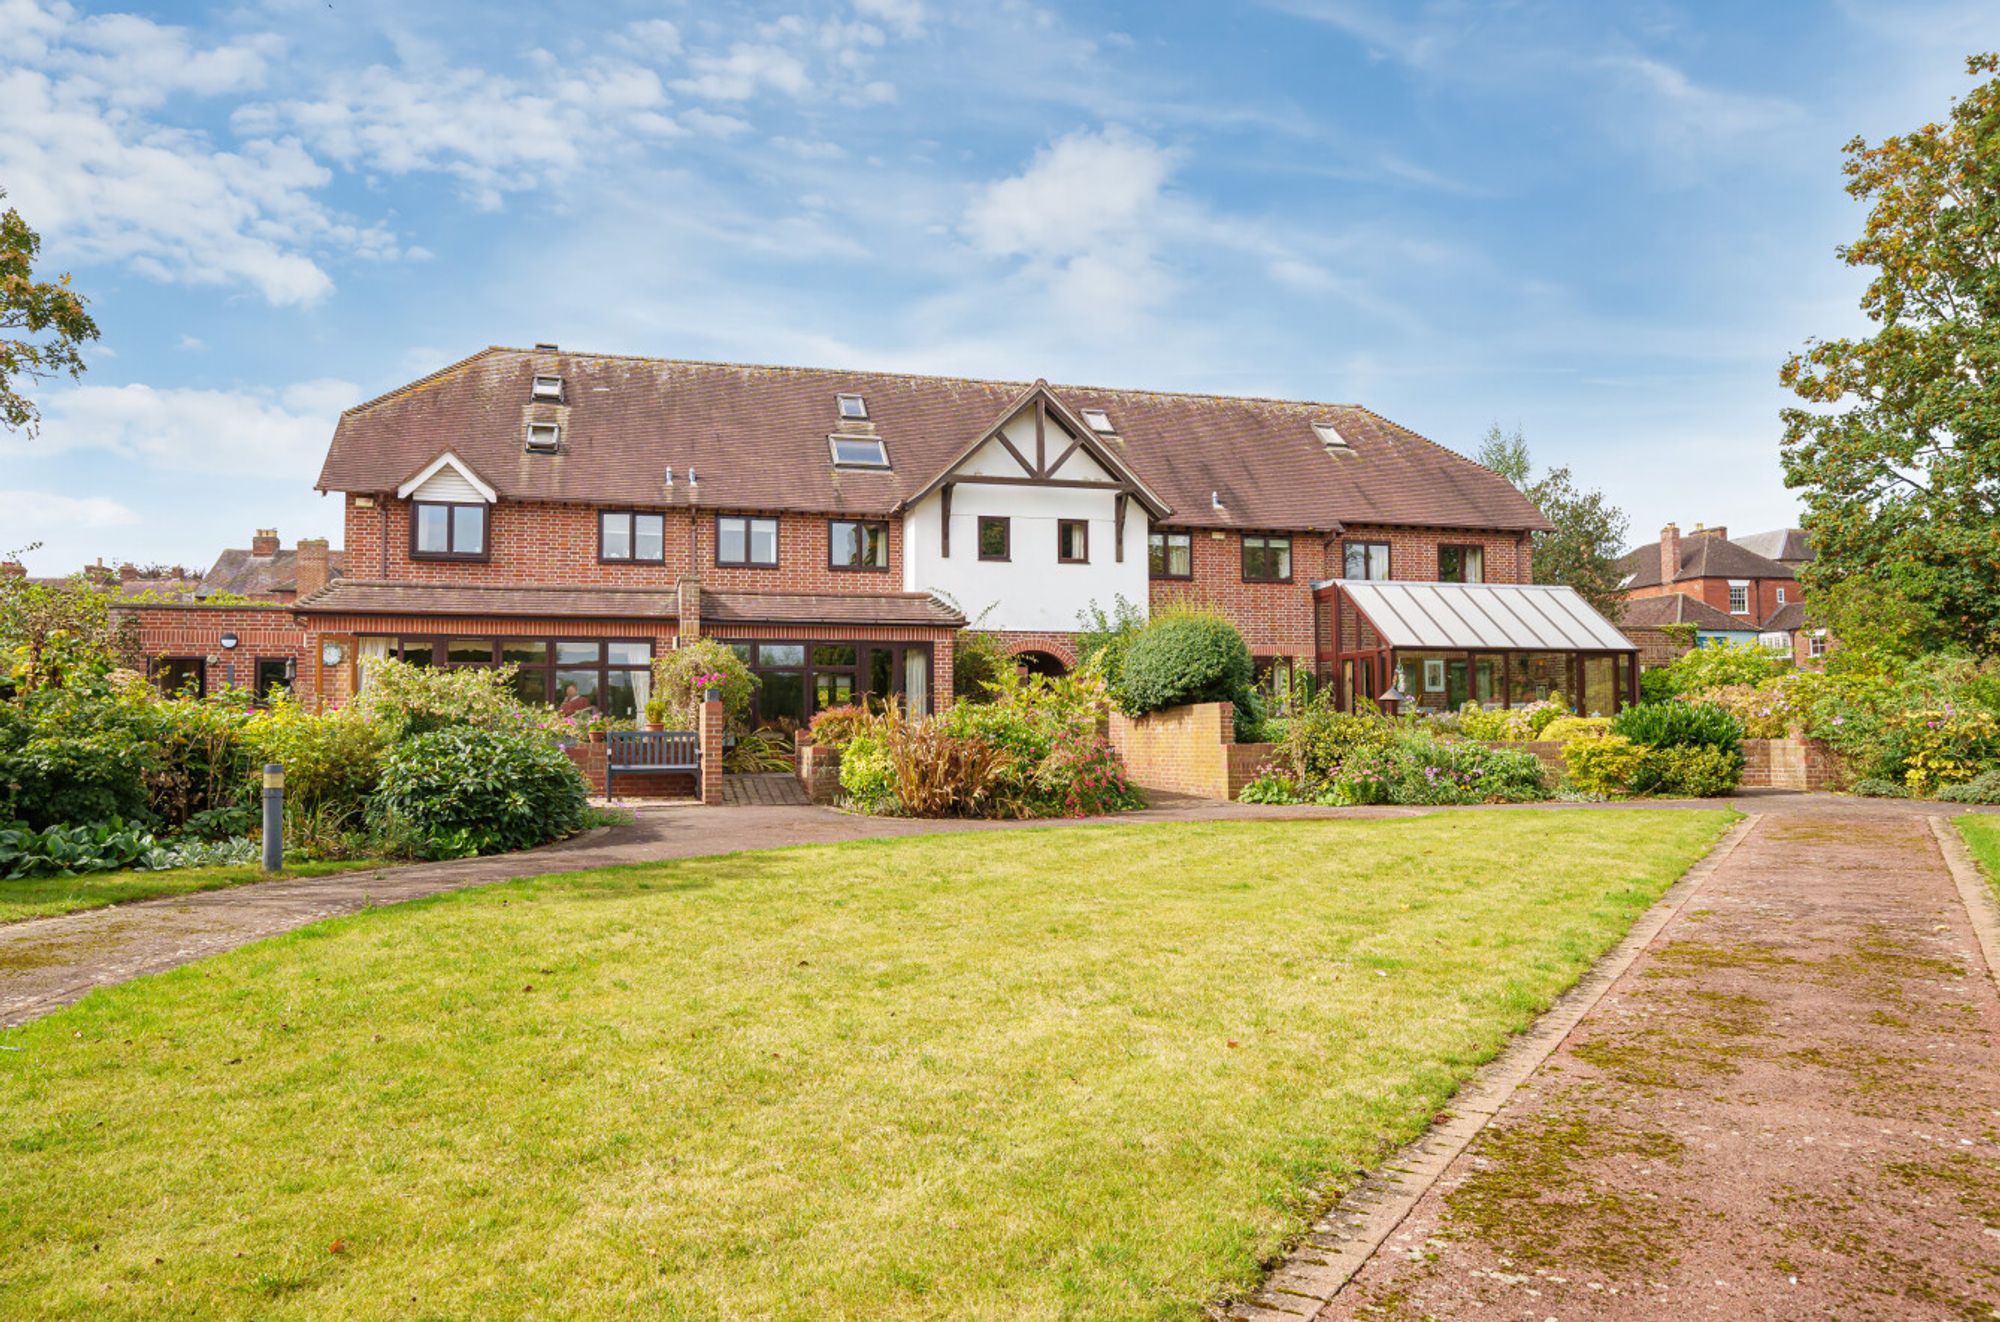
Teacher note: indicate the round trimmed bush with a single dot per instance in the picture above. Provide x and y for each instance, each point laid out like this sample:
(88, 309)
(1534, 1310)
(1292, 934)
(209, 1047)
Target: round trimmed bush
(466, 790)
(1186, 657)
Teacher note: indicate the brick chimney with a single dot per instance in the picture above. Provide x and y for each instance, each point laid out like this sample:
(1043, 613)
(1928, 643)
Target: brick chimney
(13, 569)
(98, 571)
(314, 564)
(1670, 553)
(689, 589)
(265, 542)
(127, 572)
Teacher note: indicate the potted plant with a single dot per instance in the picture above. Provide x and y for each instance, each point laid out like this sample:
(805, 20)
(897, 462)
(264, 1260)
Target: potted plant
(708, 684)
(656, 713)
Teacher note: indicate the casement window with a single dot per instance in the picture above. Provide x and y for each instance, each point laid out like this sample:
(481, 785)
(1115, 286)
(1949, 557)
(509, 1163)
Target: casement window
(1816, 643)
(447, 531)
(181, 676)
(1170, 554)
(1739, 598)
(853, 544)
(1781, 594)
(625, 536)
(1461, 564)
(1266, 559)
(740, 540)
(273, 672)
(1365, 560)
(858, 452)
(574, 675)
(1072, 542)
(995, 537)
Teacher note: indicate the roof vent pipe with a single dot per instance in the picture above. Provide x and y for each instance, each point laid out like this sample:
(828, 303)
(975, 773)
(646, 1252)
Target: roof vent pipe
(1215, 500)
(546, 348)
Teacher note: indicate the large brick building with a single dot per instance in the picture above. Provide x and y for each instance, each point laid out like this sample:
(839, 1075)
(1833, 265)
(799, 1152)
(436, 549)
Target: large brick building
(575, 514)
(1737, 590)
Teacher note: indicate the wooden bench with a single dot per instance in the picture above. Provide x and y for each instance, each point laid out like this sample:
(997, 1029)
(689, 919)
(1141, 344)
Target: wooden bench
(651, 752)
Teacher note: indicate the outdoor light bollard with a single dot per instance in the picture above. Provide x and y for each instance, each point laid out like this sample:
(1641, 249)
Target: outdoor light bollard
(274, 817)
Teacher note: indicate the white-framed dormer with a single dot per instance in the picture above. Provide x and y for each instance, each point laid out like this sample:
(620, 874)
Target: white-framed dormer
(1037, 517)
(450, 511)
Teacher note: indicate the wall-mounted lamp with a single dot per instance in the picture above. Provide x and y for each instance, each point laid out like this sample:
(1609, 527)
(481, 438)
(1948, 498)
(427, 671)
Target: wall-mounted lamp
(229, 641)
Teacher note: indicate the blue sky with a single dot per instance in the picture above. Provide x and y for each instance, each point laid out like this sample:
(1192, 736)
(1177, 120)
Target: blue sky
(1605, 223)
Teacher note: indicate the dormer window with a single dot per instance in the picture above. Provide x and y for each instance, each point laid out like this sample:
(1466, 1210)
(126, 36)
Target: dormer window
(547, 388)
(544, 438)
(853, 408)
(1099, 421)
(858, 452)
(1329, 436)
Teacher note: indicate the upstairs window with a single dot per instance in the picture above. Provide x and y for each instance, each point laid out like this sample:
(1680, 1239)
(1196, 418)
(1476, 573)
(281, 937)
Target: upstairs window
(1072, 542)
(853, 407)
(1461, 564)
(1781, 595)
(447, 531)
(627, 536)
(1170, 554)
(1816, 643)
(1098, 421)
(1739, 598)
(547, 388)
(858, 452)
(1266, 559)
(740, 540)
(995, 538)
(1365, 560)
(852, 544)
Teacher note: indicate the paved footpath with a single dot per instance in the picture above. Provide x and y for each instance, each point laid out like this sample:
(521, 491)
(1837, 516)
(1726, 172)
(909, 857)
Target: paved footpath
(1787, 1106)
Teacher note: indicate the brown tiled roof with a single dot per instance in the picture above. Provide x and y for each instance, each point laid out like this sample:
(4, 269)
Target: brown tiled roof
(348, 596)
(1678, 608)
(1788, 618)
(757, 438)
(1703, 555)
(239, 571)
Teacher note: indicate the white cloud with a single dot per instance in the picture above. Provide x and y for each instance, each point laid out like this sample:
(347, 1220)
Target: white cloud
(34, 511)
(653, 36)
(743, 71)
(1686, 121)
(252, 433)
(906, 16)
(191, 344)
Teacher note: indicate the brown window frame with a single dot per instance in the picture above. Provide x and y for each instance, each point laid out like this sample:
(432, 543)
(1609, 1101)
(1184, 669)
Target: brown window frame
(1165, 572)
(777, 542)
(833, 564)
(1064, 525)
(286, 677)
(631, 517)
(200, 664)
(1006, 524)
(1388, 557)
(1461, 548)
(485, 551)
(1243, 547)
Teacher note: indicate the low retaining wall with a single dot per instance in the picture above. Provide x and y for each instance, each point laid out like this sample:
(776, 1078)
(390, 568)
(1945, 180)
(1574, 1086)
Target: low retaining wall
(1187, 750)
(819, 772)
(589, 759)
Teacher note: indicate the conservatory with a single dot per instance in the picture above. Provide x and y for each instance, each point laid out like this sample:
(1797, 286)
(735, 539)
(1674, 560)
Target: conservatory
(1436, 646)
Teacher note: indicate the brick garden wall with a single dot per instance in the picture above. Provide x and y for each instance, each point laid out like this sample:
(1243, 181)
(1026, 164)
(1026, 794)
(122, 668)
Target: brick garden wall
(1187, 750)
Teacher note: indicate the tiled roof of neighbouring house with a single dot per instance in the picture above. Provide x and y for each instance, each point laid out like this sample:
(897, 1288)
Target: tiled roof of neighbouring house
(1787, 618)
(1703, 555)
(247, 574)
(757, 437)
(347, 596)
(1785, 545)
(1678, 608)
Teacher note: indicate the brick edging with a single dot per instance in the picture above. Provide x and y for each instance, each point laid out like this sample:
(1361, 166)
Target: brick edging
(1980, 905)
(1349, 1233)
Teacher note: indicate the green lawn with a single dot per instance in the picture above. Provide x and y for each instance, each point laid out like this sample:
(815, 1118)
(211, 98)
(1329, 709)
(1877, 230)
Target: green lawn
(1982, 837)
(1073, 1073)
(38, 897)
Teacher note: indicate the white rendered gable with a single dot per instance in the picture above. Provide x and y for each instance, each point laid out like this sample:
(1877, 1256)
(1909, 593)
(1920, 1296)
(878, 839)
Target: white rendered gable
(450, 479)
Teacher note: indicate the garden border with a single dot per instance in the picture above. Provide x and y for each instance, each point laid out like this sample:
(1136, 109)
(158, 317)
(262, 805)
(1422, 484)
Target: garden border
(1982, 908)
(1349, 1233)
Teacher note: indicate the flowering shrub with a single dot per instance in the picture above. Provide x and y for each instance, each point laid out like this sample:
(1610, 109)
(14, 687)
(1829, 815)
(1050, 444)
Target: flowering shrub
(1343, 758)
(1511, 723)
(835, 727)
(1602, 764)
(1083, 777)
(1947, 746)
(687, 674)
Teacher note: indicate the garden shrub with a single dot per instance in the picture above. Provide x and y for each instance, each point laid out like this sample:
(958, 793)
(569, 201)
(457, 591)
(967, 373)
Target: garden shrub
(868, 774)
(332, 760)
(201, 756)
(1711, 666)
(1565, 728)
(73, 756)
(405, 700)
(1982, 788)
(940, 774)
(1946, 747)
(1688, 771)
(835, 727)
(1182, 656)
(1875, 787)
(463, 790)
(1511, 723)
(675, 673)
(1601, 764)
(1271, 787)
(69, 851)
(1679, 724)
(1344, 758)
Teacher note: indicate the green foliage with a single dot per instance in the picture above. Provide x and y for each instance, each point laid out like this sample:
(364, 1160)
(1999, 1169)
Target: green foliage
(74, 755)
(1602, 764)
(1982, 788)
(834, 727)
(1714, 666)
(675, 672)
(1581, 550)
(1183, 655)
(759, 751)
(1875, 787)
(1688, 771)
(406, 700)
(43, 324)
(868, 774)
(1270, 787)
(1341, 758)
(332, 760)
(1565, 728)
(1895, 449)
(69, 851)
(460, 790)
(199, 759)
(55, 634)
(1945, 747)
(1680, 724)
(978, 661)
(1511, 723)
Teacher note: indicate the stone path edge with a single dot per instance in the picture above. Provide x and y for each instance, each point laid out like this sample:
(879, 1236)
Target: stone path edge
(1980, 905)
(1348, 1234)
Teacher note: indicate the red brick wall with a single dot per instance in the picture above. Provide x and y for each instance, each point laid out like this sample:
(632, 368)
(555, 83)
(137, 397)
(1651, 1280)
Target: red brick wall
(1715, 592)
(1186, 750)
(266, 634)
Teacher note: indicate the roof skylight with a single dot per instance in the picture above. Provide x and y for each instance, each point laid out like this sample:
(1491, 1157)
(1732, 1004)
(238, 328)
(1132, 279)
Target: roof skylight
(853, 407)
(1329, 436)
(1099, 421)
(547, 387)
(858, 452)
(544, 438)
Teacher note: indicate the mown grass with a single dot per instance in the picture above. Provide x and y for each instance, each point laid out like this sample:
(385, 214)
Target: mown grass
(41, 897)
(1982, 837)
(1078, 1073)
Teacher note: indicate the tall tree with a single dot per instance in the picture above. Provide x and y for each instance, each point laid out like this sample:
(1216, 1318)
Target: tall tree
(1897, 451)
(43, 324)
(1581, 551)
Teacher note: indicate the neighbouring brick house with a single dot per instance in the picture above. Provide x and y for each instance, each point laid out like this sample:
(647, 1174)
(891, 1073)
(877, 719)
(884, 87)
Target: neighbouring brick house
(576, 514)
(1737, 590)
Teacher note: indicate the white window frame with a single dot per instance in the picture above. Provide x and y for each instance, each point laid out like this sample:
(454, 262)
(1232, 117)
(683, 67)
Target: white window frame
(853, 408)
(547, 388)
(554, 432)
(1781, 594)
(1736, 586)
(1816, 643)
(1098, 421)
(836, 440)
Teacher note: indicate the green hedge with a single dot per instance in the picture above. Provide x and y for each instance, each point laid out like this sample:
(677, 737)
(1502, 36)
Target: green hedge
(466, 790)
